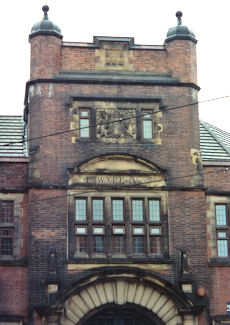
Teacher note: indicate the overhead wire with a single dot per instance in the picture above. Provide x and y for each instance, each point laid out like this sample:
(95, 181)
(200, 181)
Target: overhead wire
(119, 187)
(113, 121)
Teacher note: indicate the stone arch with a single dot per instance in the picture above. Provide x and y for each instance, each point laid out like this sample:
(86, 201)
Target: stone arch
(142, 291)
(117, 169)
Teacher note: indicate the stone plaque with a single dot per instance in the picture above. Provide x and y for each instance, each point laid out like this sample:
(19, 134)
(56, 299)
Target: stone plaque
(121, 131)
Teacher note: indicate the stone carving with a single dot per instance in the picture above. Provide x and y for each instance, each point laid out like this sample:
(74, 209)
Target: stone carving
(122, 130)
(114, 57)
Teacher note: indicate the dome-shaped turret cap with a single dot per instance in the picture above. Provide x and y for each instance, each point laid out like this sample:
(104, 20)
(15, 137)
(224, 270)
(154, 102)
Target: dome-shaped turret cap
(180, 31)
(45, 26)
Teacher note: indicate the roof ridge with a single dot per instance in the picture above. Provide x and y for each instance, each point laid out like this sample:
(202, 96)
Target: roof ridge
(208, 126)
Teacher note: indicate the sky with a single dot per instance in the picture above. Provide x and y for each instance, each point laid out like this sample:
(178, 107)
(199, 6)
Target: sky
(147, 21)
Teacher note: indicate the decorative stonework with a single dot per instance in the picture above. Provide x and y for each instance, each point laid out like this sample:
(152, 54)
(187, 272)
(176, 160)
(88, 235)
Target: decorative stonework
(117, 170)
(128, 125)
(198, 178)
(121, 130)
(143, 292)
(114, 56)
(211, 201)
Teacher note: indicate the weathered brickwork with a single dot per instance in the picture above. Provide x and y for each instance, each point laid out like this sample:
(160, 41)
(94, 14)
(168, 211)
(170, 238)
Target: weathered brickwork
(164, 261)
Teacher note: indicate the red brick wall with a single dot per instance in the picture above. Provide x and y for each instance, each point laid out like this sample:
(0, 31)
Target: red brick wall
(187, 230)
(13, 175)
(45, 60)
(57, 153)
(219, 285)
(216, 181)
(14, 290)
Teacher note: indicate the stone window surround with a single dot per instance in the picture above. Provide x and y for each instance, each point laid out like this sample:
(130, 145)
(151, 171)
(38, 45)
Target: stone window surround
(16, 226)
(127, 224)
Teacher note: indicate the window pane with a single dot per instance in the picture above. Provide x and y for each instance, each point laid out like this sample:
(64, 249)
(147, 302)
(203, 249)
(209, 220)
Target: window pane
(98, 244)
(222, 247)
(81, 244)
(155, 244)
(84, 123)
(118, 245)
(117, 206)
(80, 209)
(97, 210)
(137, 210)
(147, 129)
(221, 219)
(7, 211)
(7, 246)
(138, 244)
(154, 210)
(84, 113)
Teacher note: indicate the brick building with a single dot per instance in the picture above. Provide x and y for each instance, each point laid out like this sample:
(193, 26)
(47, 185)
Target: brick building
(114, 216)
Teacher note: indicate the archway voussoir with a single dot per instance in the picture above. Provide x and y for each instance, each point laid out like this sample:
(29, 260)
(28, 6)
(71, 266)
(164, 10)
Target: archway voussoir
(131, 292)
(159, 304)
(154, 297)
(139, 293)
(167, 311)
(121, 287)
(94, 296)
(80, 303)
(74, 309)
(86, 297)
(101, 293)
(71, 316)
(109, 292)
(146, 295)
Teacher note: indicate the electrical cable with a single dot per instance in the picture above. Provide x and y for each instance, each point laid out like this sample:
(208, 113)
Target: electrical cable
(113, 121)
(120, 187)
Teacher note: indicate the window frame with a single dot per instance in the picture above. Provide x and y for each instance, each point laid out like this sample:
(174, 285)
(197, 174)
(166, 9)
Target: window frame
(103, 210)
(87, 212)
(7, 224)
(123, 209)
(125, 227)
(143, 210)
(223, 228)
(81, 117)
(144, 112)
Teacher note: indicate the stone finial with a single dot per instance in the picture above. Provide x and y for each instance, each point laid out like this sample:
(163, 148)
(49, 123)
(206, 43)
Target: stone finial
(45, 10)
(179, 15)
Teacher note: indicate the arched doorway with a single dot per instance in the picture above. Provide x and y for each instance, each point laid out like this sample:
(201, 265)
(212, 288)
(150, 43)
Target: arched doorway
(123, 296)
(125, 315)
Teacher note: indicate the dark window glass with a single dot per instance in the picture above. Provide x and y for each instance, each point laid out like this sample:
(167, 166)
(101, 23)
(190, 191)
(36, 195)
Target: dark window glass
(118, 245)
(155, 243)
(6, 211)
(222, 231)
(138, 244)
(6, 241)
(98, 244)
(81, 244)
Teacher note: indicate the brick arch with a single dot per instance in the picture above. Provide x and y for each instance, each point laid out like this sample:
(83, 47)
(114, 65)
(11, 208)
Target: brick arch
(120, 292)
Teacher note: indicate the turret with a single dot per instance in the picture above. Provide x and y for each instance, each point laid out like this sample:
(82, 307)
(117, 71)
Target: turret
(181, 49)
(46, 41)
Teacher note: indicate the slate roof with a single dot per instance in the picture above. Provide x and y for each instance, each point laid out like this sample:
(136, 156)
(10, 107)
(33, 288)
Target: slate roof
(214, 142)
(11, 132)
